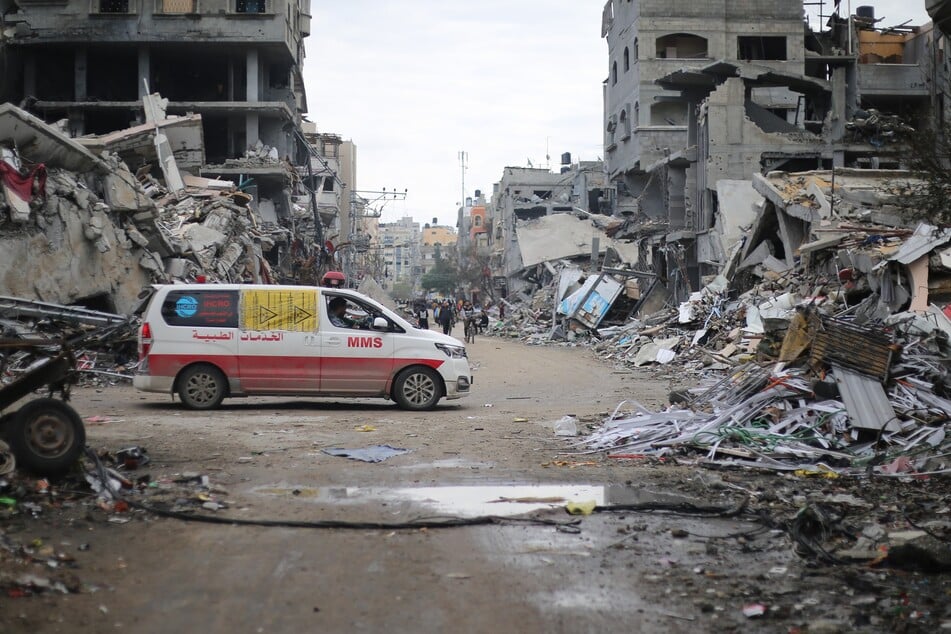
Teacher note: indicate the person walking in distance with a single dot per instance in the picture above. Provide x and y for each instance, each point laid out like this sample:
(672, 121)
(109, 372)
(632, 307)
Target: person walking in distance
(445, 318)
(422, 316)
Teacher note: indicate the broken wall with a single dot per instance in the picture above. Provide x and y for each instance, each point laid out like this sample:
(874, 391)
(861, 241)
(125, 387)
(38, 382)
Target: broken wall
(71, 250)
(737, 144)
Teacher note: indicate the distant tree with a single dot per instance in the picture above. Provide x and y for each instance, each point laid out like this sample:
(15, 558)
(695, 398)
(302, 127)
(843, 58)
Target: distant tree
(442, 278)
(402, 291)
(929, 158)
(472, 272)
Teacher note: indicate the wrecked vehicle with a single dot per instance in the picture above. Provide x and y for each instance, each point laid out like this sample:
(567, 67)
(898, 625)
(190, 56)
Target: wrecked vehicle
(206, 342)
(45, 435)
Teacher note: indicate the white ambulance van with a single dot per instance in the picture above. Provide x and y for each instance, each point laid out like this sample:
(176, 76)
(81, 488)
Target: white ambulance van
(206, 342)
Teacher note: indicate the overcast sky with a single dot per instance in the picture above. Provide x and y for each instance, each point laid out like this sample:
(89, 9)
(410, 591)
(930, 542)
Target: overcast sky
(415, 82)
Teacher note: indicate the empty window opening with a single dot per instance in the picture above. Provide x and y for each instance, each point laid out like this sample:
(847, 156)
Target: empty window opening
(668, 114)
(279, 76)
(54, 74)
(614, 73)
(544, 194)
(112, 74)
(681, 46)
(625, 124)
(532, 213)
(328, 184)
(750, 47)
(178, 78)
(627, 60)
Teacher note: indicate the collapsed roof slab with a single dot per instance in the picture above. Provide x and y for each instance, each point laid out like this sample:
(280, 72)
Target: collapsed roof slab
(712, 75)
(184, 134)
(42, 143)
(797, 193)
(565, 236)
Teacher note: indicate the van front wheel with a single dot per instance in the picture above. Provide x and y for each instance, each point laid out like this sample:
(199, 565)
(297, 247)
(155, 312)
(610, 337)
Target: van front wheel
(202, 387)
(417, 388)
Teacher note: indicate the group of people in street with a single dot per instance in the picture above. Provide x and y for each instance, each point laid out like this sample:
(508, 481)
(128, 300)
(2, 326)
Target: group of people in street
(447, 313)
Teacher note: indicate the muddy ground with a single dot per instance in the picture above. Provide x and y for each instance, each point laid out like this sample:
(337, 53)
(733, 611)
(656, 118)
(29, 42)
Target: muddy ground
(69, 564)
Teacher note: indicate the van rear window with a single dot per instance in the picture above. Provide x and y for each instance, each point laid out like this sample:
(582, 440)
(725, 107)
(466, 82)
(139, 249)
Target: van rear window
(201, 308)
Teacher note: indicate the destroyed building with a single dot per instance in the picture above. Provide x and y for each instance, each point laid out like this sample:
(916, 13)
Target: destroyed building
(92, 63)
(539, 216)
(738, 101)
(178, 170)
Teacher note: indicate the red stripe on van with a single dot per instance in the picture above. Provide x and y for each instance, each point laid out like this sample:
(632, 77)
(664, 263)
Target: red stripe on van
(171, 364)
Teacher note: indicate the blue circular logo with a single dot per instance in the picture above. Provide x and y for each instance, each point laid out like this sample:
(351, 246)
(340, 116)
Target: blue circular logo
(186, 307)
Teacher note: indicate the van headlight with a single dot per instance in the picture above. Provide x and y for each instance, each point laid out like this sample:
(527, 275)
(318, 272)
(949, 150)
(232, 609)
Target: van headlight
(453, 352)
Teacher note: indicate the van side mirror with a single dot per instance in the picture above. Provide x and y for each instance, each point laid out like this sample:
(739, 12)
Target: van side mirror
(379, 323)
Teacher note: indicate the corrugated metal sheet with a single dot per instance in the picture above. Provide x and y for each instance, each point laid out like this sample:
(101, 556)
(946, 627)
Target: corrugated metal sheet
(866, 401)
(925, 240)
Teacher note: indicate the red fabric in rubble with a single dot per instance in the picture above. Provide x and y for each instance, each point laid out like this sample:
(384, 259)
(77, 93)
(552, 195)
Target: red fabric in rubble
(22, 185)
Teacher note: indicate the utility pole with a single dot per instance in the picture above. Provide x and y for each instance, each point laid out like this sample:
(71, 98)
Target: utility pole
(463, 162)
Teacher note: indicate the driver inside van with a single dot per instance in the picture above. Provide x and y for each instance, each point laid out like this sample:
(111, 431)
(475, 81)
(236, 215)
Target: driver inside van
(337, 312)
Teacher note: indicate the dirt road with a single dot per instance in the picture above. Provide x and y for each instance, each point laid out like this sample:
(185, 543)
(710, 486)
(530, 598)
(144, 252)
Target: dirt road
(264, 461)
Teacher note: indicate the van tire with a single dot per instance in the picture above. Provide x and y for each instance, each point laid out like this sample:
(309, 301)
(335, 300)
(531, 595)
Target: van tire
(202, 386)
(417, 388)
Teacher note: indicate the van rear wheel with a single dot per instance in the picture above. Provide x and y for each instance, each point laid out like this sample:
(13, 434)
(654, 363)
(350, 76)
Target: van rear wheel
(202, 387)
(417, 388)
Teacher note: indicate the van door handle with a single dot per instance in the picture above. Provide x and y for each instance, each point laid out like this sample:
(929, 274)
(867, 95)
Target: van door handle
(334, 341)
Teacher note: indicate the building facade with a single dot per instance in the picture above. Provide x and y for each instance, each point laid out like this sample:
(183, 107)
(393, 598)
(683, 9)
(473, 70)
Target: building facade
(237, 63)
(399, 244)
(757, 92)
(644, 123)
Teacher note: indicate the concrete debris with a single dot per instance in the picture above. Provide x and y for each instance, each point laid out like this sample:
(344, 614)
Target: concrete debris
(104, 345)
(93, 232)
(827, 347)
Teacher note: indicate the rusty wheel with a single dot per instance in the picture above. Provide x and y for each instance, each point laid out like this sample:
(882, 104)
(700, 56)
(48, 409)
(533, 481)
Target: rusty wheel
(47, 437)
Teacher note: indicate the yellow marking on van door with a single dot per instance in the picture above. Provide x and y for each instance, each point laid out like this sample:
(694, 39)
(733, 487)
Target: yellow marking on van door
(279, 310)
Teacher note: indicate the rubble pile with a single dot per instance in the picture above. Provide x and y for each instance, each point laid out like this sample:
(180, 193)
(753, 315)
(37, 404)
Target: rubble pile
(822, 343)
(107, 490)
(104, 345)
(93, 232)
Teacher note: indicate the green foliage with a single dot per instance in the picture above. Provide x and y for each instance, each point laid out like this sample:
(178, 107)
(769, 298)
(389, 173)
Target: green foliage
(442, 278)
(929, 158)
(402, 291)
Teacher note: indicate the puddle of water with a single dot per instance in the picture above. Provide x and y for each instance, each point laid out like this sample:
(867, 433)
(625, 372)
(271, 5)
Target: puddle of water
(472, 501)
(449, 463)
(510, 500)
(456, 501)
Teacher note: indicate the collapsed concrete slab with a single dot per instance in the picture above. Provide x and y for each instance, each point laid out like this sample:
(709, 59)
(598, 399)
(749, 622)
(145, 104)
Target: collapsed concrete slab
(561, 236)
(42, 143)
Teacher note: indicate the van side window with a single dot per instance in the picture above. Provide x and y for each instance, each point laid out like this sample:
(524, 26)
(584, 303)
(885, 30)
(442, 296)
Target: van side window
(344, 313)
(218, 309)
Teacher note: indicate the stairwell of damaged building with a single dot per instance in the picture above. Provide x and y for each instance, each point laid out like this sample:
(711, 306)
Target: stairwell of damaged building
(159, 168)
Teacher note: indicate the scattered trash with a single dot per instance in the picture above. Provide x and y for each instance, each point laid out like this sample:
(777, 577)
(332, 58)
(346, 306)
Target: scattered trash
(754, 610)
(132, 458)
(7, 460)
(581, 508)
(375, 453)
(566, 426)
(364, 428)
